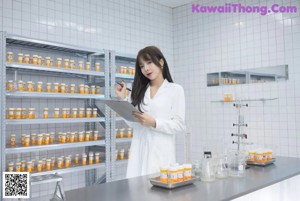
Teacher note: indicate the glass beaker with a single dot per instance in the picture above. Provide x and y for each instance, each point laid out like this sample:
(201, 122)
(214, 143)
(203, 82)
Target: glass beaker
(222, 167)
(237, 164)
(207, 170)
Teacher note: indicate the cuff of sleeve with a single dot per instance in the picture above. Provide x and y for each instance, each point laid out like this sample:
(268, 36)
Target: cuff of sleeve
(158, 123)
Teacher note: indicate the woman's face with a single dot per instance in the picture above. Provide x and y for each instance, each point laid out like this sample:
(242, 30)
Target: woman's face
(150, 70)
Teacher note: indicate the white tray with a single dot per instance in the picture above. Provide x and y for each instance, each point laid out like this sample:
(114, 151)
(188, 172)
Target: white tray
(261, 163)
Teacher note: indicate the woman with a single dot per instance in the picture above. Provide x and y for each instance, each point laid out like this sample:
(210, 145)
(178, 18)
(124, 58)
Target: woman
(162, 116)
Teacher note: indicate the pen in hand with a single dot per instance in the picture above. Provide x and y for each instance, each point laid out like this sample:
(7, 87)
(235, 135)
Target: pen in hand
(122, 86)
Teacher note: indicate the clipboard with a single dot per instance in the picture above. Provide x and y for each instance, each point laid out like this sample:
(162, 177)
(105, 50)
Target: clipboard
(123, 108)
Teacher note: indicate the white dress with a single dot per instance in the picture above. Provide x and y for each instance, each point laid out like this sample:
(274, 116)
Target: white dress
(151, 147)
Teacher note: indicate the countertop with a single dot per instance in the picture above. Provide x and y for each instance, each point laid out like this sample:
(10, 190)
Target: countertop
(140, 189)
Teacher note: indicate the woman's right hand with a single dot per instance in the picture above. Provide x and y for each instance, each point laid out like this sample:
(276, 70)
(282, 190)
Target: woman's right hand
(120, 91)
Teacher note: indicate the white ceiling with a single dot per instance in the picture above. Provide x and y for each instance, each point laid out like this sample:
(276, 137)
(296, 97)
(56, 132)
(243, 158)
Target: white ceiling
(173, 3)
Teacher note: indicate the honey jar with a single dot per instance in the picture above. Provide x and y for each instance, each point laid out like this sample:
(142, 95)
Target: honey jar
(72, 88)
(88, 112)
(66, 63)
(12, 140)
(72, 64)
(68, 162)
(18, 113)
(39, 86)
(81, 136)
(48, 87)
(26, 58)
(34, 59)
(47, 139)
(91, 158)
(80, 65)
(33, 138)
(39, 60)
(52, 162)
(64, 138)
(11, 113)
(23, 166)
(59, 163)
(74, 112)
(10, 167)
(23, 139)
(97, 157)
(88, 66)
(81, 88)
(96, 135)
(40, 166)
(116, 131)
(68, 112)
(56, 88)
(86, 89)
(27, 141)
(72, 137)
(20, 58)
(31, 113)
(33, 165)
(64, 113)
(121, 135)
(52, 137)
(56, 113)
(21, 85)
(129, 133)
(10, 57)
(24, 113)
(10, 85)
(83, 159)
(97, 90)
(122, 154)
(93, 89)
(48, 164)
(81, 113)
(76, 136)
(94, 112)
(30, 86)
(48, 61)
(187, 172)
(97, 67)
(58, 62)
(87, 136)
(29, 166)
(18, 167)
(40, 139)
(76, 159)
(68, 137)
(62, 88)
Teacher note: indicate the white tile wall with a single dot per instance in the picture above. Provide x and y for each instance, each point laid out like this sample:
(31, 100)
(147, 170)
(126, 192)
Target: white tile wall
(122, 25)
(205, 43)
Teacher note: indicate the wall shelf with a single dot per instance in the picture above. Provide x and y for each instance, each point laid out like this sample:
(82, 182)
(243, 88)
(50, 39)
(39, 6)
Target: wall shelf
(121, 140)
(245, 100)
(52, 121)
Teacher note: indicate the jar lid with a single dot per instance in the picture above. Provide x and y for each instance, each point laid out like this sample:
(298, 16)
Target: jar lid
(33, 133)
(97, 64)
(19, 108)
(62, 84)
(80, 61)
(56, 108)
(88, 108)
(49, 83)
(31, 108)
(56, 83)
(35, 55)
(72, 61)
(27, 55)
(20, 54)
(97, 153)
(47, 57)
(59, 58)
(9, 52)
(29, 82)
(46, 108)
(95, 109)
(66, 59)
(74, 108)
(72, 85)
(93, 86)
(40, 82)
(12, 135)
(96, 131)
(88, 62)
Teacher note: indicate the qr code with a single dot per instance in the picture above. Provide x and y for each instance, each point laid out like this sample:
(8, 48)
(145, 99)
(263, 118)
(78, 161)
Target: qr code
(16, 185)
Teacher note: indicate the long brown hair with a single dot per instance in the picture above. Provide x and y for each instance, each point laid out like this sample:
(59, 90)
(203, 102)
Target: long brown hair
(140, 82)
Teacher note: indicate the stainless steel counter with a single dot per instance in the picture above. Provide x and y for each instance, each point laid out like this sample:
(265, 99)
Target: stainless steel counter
(221, 189)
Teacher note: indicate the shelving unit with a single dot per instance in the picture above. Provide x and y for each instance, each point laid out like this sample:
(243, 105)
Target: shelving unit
(40, 47)
(119, 59)
(245, 100)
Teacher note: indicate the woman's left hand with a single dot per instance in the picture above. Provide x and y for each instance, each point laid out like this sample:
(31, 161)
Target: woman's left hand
(145, 119)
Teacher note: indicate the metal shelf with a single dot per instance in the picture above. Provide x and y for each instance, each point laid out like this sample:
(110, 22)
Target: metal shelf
(120, 140)
(69, 170)
(53, 146)
(15, 65)
(245, 100)
(121, 162)
(124, 76)
(52, 95)
(24, 41)
(53, 121)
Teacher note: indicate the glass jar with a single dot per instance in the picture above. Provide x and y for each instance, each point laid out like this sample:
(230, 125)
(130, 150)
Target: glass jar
(40, 139)
(97, 67)
(66, 63)
(30, 86)
(97, 157)
(23, 139)
(72, 137)
(56, 88)
(80, 65)
(94, 112)
(56, 113)
(68, 112)
(64, 112)
(63, 138)
(96, 135)
(33, 138)
(52, 137)
(81, 136)
(11, 113)
(72, 64)
(24, 113)
(116, 131)
(12, 140)
(47, 139)
(10, 57)
(39, 60)
(58, 62)
(31, 113)
(72, 88)
(88, 112)
(10, 85)
(81, 88)
(88, 66)
(48, 61)
(67, 162)
(164, 174)
(83, 160)
(122, 154)
(48, 164)
(34, 59)
(26, 58)
(10, 167)
(29, 166)
(48, 87)
(46, 113)
(21, 85)
(97, 90)
(121, 135)
(20, 58)
(39, 86)
(18, 167)
(81, 113)
(76, 159)
(76, 136)
(93, 89)
(129, 132)
(52, 162)
(18, 113)
(74, 112)
(62, 88)
(86, 89)
(87, 136)
(187, 172)
(91, 158)
(59, 162)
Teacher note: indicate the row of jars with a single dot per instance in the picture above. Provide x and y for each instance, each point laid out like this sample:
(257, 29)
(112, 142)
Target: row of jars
(47, 61)
(127, 70)
(54, 163)
(175, 173)
(49, 138)
(120, 133)
(55, 88)
(23, 113)
(260, 155)
(120, 155)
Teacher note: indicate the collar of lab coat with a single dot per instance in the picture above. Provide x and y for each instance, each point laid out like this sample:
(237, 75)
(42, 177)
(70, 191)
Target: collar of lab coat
(164, 85)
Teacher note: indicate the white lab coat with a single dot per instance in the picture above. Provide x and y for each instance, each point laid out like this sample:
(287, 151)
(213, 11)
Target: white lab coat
(151, 147)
